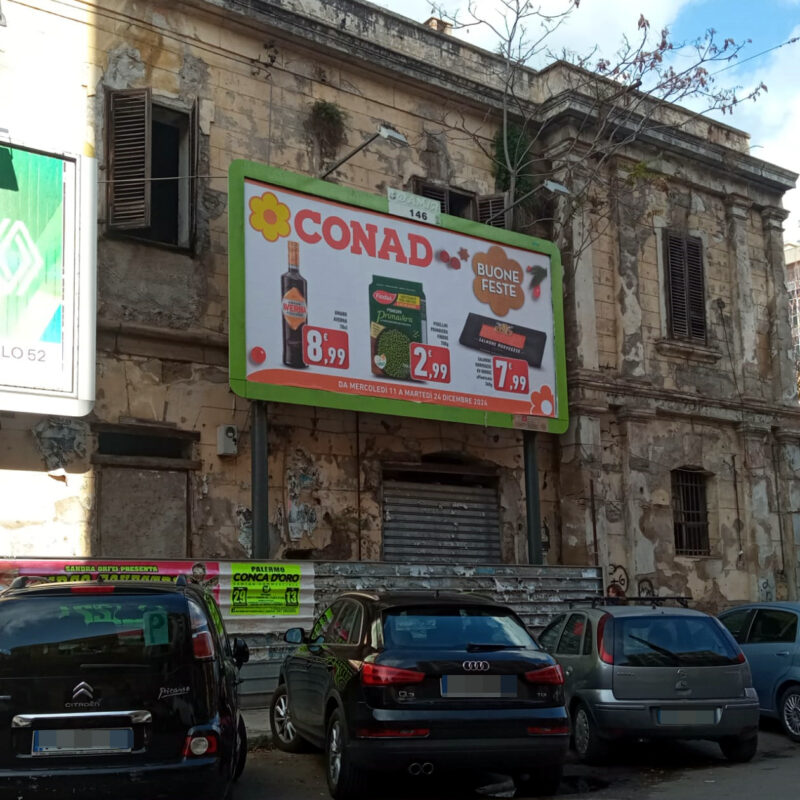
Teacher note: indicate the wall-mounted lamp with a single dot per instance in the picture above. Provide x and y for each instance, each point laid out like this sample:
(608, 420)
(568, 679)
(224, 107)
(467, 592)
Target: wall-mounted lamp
(551, 186)
(386, 133)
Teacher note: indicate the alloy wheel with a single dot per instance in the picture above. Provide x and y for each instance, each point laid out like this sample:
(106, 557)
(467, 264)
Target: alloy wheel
(335, 752)
(791, 713)
(284, 728)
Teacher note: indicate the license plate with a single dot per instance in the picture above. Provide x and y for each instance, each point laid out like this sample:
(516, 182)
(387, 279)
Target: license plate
(687, 716)
(479, 685)
(82, 741)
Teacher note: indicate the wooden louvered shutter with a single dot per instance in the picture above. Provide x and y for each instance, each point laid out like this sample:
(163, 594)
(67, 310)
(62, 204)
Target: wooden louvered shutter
(129, 158)
(685, 287)
(695, 289)
(490, 207)
(434, 193)
(194, 168)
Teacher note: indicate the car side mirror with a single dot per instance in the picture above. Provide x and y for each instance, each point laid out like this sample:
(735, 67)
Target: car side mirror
(294, 636)
(241, 652)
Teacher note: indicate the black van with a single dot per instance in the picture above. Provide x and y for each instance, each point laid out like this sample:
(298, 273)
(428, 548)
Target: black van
(122, 688)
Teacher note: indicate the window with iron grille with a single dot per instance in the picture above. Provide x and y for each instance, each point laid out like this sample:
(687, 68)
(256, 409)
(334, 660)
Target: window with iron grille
(690, 512)
(686, 292)
(152, 160)
(483, 208)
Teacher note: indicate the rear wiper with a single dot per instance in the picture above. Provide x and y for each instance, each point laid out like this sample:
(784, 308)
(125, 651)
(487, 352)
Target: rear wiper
(474, 647)
(657, 648)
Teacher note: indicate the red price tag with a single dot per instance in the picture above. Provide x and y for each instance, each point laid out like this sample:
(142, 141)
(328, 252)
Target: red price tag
(510, 374)
(430, 363)
(325, 347)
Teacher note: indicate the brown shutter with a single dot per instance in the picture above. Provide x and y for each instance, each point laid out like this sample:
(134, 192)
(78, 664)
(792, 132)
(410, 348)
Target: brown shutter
(695, 289)
(676, 287)
(490, 208)
(434, 193)
(686, 295)
(129, 158)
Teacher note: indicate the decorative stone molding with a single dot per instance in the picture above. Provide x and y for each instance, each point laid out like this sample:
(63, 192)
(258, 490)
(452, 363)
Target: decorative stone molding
(694, 352)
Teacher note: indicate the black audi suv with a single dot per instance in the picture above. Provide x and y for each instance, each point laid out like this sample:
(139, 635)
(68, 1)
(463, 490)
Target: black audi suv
(422, 681)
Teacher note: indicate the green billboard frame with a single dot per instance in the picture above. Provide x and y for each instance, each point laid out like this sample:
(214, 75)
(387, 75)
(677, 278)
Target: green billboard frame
(241, 170)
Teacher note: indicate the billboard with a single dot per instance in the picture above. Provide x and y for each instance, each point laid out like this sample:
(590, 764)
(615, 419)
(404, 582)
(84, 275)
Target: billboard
(336, 302)
(47, 281)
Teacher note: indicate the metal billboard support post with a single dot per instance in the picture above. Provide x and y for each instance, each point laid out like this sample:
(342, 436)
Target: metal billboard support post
(260, 480)
(532, 505)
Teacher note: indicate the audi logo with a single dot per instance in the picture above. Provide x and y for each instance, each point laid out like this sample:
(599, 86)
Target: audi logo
(475, 666)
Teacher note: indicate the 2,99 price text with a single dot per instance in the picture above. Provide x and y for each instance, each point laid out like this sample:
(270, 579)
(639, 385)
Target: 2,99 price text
(430, 363)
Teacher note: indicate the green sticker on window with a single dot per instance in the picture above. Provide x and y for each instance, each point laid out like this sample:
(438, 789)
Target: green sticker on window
(155, 628)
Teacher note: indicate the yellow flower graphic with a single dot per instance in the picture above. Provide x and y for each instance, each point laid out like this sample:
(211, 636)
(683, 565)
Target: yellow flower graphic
(269, 216)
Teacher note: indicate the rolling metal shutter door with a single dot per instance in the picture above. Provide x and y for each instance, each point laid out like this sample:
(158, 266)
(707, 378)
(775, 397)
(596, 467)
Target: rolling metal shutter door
(440, 524)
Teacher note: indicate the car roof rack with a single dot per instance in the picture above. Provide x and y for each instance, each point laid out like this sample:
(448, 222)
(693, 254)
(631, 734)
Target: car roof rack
(21, 581)
(647, 600)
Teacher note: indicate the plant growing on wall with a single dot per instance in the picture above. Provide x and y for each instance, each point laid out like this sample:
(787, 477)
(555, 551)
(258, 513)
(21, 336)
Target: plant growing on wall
(325, 126)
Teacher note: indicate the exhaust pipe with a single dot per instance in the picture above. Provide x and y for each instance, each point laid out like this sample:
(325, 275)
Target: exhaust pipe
(427, 768)
(415, 768)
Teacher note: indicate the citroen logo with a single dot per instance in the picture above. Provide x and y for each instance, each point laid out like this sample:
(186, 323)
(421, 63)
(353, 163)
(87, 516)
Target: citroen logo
(475, 666)
(83, 691)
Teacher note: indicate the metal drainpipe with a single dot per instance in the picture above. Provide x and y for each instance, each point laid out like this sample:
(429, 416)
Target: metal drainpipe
(260, 480)
(532, 504)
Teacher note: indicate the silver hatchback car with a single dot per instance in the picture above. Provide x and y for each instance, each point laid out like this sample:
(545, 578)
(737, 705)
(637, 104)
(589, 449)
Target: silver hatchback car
(650, 671)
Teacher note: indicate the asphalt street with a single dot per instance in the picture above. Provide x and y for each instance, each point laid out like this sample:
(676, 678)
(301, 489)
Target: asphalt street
(647, 771)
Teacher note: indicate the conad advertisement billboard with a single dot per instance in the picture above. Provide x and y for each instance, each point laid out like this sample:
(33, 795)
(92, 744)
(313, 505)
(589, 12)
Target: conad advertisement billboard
(48, 214)
(336, 302)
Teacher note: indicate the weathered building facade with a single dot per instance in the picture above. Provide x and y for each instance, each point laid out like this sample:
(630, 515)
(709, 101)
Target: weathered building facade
(680, 469)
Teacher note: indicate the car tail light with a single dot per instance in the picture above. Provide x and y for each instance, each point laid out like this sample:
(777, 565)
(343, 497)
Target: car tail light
(606, 655)
(378, 675)
(199, 745)
(556, 728)
(550, 673)
(740, 659)
(82, 589)
(202, 643)
(392, 733)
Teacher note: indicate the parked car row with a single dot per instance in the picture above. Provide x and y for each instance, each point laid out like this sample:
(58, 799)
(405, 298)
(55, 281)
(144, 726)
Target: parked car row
(131, 688)
(423, 681)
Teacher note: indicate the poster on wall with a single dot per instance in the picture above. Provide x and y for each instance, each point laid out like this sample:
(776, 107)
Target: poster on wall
(252, 595)
(47, 281)
(335, 302)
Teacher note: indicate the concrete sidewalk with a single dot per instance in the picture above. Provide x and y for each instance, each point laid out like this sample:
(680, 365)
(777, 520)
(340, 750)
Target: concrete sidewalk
(258, 731)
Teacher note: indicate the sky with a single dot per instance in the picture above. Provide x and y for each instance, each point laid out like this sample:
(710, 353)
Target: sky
(773, 121)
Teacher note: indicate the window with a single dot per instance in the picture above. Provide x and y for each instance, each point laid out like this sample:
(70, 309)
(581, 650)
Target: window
(686, 298)
(570, 643)
(322, 626)
(483, 208)
(772, 625)
(587, 639)
(737, 622)
(151, 166)
(347, 627)
(549, 636)
(690, 512)
(672, 642)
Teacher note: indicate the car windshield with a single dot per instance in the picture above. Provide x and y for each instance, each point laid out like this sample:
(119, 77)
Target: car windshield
(459, 627)
(44, 635)
(666, 641)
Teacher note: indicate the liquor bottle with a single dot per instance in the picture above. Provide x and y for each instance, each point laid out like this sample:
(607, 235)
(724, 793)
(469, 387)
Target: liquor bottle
(294, 306)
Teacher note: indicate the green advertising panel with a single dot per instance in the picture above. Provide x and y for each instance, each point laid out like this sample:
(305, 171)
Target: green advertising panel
(265, 589)
(344, 299)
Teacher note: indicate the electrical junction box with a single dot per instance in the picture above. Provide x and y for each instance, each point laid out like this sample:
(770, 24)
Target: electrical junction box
(227, 440)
